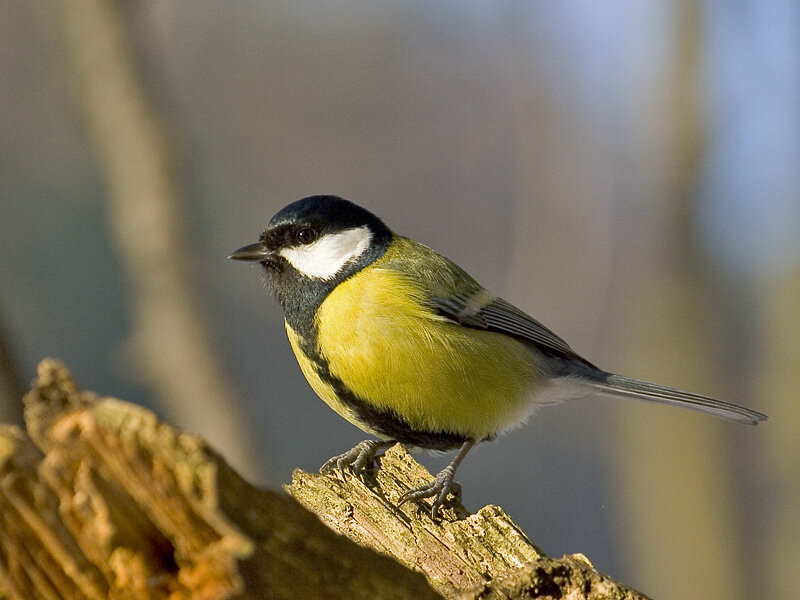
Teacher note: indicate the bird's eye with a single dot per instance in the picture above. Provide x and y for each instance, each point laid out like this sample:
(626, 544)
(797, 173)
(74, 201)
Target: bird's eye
(306, 235)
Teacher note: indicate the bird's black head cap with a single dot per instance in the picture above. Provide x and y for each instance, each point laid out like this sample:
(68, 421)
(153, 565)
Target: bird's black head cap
(329, 214)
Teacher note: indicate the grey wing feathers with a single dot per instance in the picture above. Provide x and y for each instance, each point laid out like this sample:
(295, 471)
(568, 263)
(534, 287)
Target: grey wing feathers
(507, 318)
(503, 317)
(620, 386)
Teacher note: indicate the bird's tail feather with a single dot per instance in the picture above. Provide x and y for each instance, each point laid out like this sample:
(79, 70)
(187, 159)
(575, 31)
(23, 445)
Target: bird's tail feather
(625, 387)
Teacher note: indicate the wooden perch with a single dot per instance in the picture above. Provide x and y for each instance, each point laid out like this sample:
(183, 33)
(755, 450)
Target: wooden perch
(101, 500)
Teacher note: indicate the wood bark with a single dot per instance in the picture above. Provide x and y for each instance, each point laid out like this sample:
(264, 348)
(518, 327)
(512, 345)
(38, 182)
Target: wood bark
(99, 499)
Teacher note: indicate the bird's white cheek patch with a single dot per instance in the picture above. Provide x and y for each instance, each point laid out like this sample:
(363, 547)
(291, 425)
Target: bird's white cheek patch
(325, 258)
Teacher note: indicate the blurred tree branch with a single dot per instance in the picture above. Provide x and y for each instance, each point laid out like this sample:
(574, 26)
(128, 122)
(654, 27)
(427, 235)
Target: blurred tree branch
(668, 300)
(104, 501)
(11, 387)
(171, 342)
(777, 385)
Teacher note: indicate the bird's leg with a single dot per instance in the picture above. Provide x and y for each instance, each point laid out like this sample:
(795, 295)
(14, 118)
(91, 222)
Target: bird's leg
(358, 458)
(441, 485)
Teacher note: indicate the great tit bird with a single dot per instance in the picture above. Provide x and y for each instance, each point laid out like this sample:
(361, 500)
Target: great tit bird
(405, 345)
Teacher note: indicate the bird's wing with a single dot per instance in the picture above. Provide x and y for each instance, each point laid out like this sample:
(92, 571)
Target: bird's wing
(456, 296)
(482, 310)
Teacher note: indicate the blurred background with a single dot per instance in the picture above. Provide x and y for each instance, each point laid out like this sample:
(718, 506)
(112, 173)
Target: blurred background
(629, 173)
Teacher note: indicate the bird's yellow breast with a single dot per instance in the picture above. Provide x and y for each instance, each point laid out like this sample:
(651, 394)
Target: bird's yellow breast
(396, 354)
(323, 388)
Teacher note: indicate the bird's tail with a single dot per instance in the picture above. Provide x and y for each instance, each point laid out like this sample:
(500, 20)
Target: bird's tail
(625, 387)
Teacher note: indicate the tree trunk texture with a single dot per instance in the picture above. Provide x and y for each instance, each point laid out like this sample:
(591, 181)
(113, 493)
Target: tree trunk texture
(99, 499)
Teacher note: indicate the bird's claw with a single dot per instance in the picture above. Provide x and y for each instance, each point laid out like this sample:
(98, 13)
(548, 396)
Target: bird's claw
(358, 458)
(443, 484)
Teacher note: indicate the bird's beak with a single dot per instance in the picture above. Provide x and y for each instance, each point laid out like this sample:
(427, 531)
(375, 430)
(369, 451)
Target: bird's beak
(255, 251)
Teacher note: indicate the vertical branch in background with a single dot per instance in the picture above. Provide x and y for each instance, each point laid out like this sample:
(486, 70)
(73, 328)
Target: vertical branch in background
(172, 345)
(11, 388)
(777, 391)
(685, 522)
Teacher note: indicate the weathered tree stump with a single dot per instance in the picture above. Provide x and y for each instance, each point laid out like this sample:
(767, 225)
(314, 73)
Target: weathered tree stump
(101, 500)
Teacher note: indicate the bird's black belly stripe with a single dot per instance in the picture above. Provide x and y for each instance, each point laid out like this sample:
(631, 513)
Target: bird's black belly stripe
(383, 421)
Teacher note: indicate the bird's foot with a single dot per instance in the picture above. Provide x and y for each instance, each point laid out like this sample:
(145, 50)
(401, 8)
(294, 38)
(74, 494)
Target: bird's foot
(358, 458)
(444, 483)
